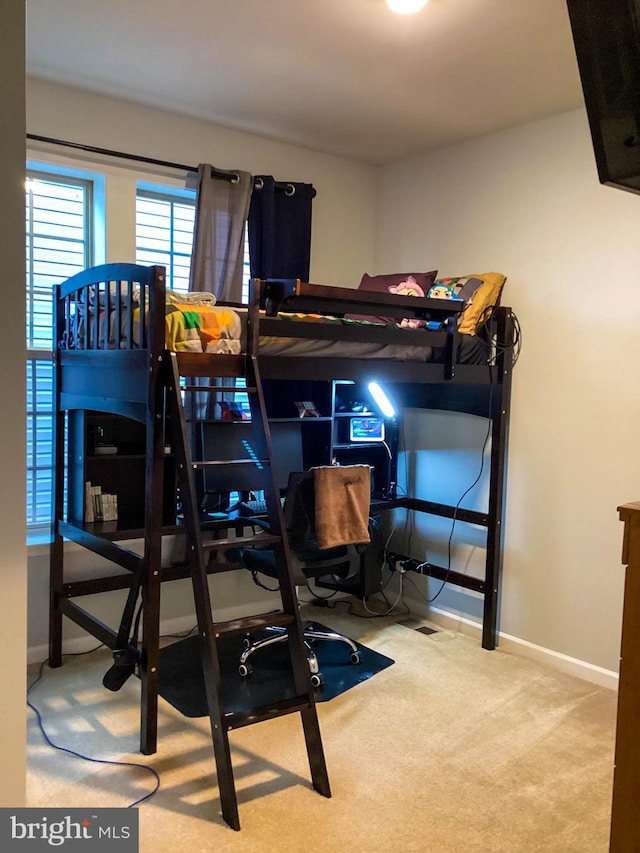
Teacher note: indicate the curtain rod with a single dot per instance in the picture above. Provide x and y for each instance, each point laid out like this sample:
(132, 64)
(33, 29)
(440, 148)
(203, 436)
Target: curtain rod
(217, 173)
(232, 177)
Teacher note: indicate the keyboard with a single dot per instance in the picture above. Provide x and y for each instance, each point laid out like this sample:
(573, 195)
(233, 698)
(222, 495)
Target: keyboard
(254, 507)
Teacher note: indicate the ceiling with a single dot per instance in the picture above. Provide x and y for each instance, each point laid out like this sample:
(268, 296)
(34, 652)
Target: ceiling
(347, 77)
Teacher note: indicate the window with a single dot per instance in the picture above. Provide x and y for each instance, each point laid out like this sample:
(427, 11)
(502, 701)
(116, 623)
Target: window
(63, 215)
(58, 244)
(164, 233)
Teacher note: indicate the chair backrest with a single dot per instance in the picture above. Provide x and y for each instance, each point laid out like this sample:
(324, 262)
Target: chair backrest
(299, 508)
(343, 561)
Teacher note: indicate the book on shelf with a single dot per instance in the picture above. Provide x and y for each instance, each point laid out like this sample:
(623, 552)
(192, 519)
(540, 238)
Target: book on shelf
(89, 515)
(99, 505)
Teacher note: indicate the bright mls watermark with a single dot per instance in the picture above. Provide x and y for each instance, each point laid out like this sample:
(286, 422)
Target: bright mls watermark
(80, 830)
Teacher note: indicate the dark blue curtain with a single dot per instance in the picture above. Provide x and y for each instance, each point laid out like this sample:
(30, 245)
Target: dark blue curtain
(280, 229)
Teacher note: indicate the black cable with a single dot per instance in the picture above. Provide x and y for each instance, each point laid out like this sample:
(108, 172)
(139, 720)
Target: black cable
(517, 343)
(461, 498)
(76, 754)
(182, 636)
(514, 345)
(348, 602)
(495, 347)
(409, 579)
(314, 592)
(407, 532)
(257, 582)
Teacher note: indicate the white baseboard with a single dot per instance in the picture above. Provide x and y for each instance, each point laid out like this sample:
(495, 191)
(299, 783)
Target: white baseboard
(176, 626)
(514, 645)
(73, 646)
(444, 619)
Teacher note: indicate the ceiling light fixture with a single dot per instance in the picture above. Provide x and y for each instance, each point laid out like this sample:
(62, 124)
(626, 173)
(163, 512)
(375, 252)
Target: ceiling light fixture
(406, 7)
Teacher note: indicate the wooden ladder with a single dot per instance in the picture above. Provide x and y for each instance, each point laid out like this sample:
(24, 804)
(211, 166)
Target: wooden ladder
(201, 545)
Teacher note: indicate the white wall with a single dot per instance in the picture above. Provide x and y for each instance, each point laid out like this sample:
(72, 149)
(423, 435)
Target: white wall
(344, 207)
(13, 574)
(342, 250)
(527, 203)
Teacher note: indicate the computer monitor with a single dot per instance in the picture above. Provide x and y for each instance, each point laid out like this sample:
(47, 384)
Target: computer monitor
(225, 441)
(366, 429)
(286, 446)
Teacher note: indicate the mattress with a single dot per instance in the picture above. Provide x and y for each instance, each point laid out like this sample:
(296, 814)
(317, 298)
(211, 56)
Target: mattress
(194, 323)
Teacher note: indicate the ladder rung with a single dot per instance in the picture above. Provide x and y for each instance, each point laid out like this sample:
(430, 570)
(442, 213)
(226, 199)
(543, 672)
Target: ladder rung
(211, 463)
(240, 542)
(226, 388)
(267, 712)
(246, 624)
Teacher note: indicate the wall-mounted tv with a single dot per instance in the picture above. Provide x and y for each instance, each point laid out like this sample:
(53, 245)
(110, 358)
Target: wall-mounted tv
(606, 36)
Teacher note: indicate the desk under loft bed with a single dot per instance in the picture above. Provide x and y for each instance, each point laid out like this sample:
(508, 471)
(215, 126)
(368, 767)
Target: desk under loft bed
(436, 378)
(125, 354)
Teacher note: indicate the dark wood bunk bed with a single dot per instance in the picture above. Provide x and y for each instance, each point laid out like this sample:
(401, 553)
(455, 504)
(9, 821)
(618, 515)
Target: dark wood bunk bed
(112, 362)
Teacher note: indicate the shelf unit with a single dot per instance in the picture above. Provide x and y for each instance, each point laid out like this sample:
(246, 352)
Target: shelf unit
(324, 436)
(350, 400)
(324, 440)
(121, 473)
(283, 401)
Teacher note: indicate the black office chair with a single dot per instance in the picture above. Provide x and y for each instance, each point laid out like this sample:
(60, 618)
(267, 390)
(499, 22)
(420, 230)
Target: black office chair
(308, 561)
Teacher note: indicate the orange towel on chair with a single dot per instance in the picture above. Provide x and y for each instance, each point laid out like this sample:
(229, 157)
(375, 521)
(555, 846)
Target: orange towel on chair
(343, 498)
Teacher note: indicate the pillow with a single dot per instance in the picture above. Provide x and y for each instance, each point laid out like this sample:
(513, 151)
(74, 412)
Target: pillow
(479, 292)
(480, 300)
(406, 284)
(462, 287)
(384, 283)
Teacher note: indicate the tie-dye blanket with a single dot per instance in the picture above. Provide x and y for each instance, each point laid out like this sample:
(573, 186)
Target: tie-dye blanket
(202, 328)
(193, 323)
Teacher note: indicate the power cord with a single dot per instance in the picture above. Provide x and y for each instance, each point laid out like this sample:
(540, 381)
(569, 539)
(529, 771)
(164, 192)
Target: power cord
(495, 347)
(370, 614)
(457, 506)
(390, 607)
(76, 754)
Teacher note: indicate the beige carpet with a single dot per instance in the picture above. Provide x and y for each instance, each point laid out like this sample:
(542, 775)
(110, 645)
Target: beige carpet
(453, 749)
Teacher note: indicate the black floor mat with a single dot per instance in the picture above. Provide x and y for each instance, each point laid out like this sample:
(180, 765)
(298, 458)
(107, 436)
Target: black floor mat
(181, 681)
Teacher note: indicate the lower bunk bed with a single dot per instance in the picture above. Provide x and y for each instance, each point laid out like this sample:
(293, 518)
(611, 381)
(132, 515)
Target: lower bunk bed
(127, 350)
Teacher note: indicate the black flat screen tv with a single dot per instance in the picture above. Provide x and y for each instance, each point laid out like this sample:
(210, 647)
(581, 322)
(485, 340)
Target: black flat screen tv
(606, 36)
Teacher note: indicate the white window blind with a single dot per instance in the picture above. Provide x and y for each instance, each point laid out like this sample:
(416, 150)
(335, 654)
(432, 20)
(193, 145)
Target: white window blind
(58, 244)
(164, 234)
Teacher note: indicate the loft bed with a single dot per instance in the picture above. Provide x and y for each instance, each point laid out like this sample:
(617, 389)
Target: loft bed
(116, 329)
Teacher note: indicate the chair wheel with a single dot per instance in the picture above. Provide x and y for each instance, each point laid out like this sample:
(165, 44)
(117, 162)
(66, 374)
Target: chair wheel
(356, 657)
(317, 680)
(244, 669)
